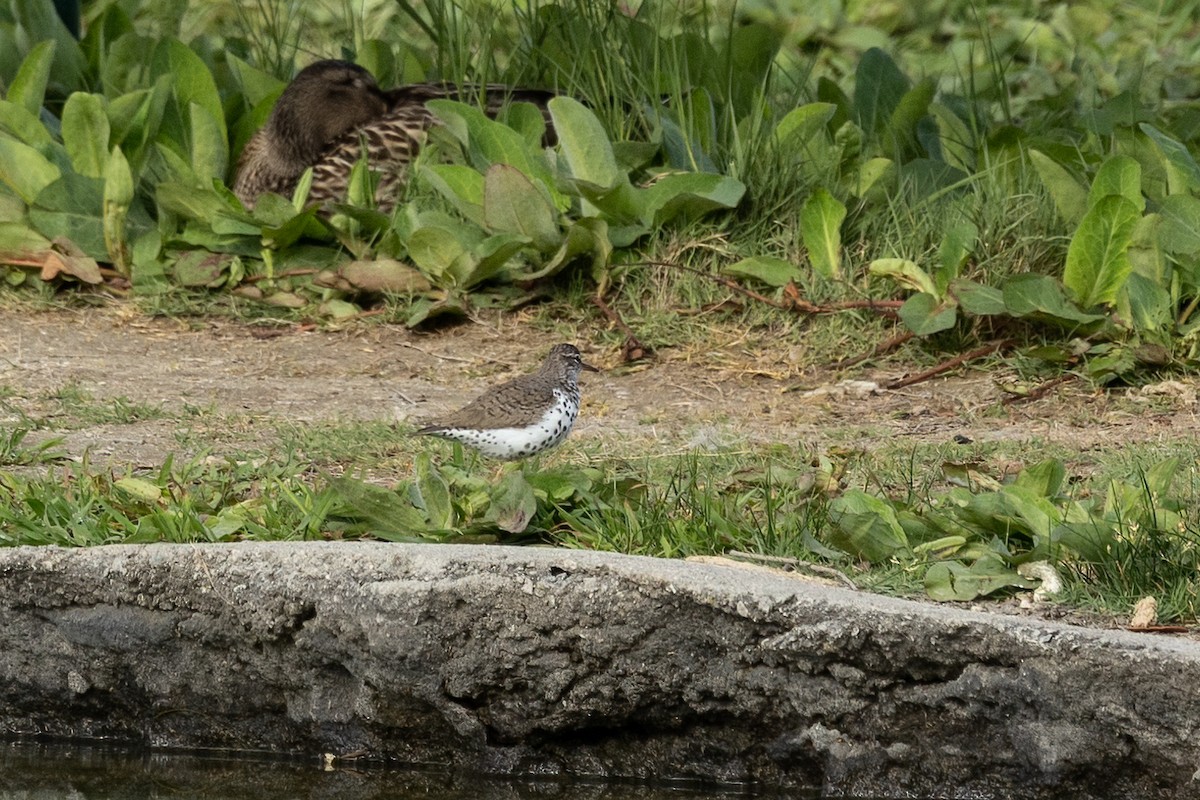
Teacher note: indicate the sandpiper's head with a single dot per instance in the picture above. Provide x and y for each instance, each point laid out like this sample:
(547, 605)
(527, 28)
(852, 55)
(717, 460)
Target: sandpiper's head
(565, 360)
(324, 100)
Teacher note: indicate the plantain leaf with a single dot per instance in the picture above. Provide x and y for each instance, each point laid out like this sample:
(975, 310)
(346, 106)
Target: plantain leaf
(1097, 258)
(85, 133)
(821, 220)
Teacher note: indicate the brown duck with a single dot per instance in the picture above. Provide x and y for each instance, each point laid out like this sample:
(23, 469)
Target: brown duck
(328, 113)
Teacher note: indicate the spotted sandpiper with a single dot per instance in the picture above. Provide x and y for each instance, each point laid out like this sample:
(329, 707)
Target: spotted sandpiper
(523, 416)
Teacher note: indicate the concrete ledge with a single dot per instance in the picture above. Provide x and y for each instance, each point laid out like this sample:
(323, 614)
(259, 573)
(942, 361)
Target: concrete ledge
(511, 661)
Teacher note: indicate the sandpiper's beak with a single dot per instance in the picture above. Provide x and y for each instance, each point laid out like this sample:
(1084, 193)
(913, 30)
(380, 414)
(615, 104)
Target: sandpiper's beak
(589, 367)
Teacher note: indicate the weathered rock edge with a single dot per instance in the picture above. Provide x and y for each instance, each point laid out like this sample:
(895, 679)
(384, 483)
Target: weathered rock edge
(509, 661)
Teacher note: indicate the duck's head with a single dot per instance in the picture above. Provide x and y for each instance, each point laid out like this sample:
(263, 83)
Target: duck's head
(324, 100)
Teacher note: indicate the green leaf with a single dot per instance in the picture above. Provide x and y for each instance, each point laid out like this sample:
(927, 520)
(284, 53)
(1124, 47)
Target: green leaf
(1119, 175)
(24, 170)
(85, 133)
(923, 314)
(1183, 173)
(118, 194)
(977, 299)
(72, 207)
(210, 150)
(879, 86)
(433, 493)
(384, 513)
(821, 220)
(461, 185)
(19, 239)
(439, 253)
(191, 81)
(801, 125)
(1179, 232)
(1097, 260)
(1042, 296)
(953, 580)
(28, 86)
(771, 271)
(490, 257)
(958, 242)
(139, 489)
(865, 526)
(686, 196)
(1069, 195)
(584, 144)
(25, 126)
(512, 204)
(904, 272)
(514, 505)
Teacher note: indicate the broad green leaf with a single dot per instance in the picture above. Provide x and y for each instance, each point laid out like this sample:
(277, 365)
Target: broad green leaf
(801, 125)
(433, 493)
(586, 237)
(1120, 175)
(879, 86)
(865, 526)
(1070, 197)
(953, 580)
(382, 512)
(1097, 262)
(17, 121)
(1183, 173)
(686, 195)
(383, 275)
(210, 150)
(512, 204)
(923, 314)
(821, 220)
(28, 86)
(489, 142)
(72, 207)
(957, 142)
(1179, 230)
(191, 81)
(1150, 305)
(140, 489)
(85, 133)
(771, 271)
(1045, 479)
(904, 272)
(977, 299)
(18, 238)
(490, 257)
(255, 84)
(958, 243)
(118, 194)
(514, 505)
(24, 170)
(871, 173)
(584, 144)
(461, 185)
(902, 123)
(439, 253)
(1042, 296)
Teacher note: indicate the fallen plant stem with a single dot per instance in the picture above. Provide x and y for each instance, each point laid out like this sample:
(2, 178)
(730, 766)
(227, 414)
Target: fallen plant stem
(1039, 391)
(879, 349)
(792, 301)
(633, 349)
(948, 365)
(287, 273)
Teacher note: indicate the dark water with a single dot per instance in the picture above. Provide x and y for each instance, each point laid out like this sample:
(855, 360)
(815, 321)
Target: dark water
(51, 772)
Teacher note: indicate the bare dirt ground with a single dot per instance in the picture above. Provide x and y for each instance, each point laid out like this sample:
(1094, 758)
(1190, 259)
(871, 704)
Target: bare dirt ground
(734, 393)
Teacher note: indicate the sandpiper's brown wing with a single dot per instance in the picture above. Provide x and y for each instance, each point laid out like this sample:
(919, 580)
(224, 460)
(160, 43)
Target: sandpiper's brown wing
(517, 403)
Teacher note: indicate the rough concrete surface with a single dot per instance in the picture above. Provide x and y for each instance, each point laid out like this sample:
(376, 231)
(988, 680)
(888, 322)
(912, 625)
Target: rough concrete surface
(537, 661)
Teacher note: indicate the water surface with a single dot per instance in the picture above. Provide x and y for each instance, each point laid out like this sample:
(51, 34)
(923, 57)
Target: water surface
(50, 772)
